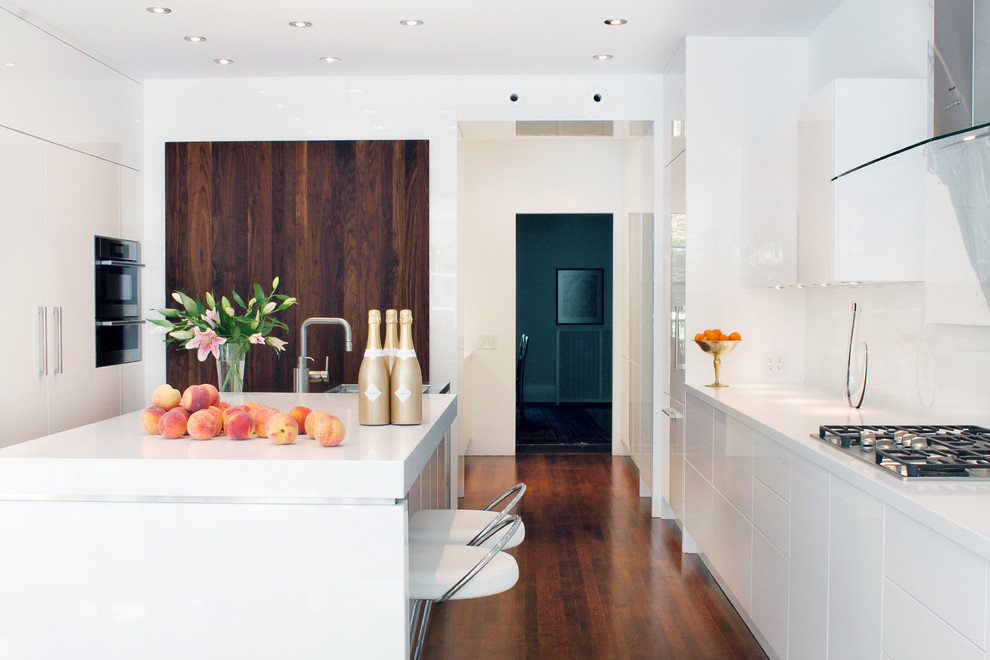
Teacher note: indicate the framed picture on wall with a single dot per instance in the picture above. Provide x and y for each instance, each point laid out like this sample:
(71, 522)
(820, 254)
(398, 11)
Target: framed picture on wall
(580, 296)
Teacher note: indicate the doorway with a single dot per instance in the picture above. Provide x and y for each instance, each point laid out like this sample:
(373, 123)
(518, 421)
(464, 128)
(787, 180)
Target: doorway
(564, 285)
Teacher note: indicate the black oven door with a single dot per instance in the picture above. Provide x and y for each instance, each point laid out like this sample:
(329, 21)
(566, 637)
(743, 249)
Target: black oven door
(118, 290)
(118, 342)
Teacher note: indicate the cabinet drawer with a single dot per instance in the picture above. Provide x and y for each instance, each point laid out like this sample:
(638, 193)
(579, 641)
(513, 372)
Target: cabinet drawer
(912, 631)
(771, 515)
(772, 465)
(732, 472)
(953, 587)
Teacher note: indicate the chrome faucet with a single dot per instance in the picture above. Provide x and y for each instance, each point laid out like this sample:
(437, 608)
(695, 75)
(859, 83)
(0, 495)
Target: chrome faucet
(302, 376)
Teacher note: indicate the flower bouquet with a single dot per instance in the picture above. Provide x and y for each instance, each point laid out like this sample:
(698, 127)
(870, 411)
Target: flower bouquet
(223, 331)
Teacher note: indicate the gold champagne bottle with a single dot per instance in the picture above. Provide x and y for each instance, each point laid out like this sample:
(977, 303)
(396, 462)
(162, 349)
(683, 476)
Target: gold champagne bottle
(391, 340)
(407, 377)
(373, 380)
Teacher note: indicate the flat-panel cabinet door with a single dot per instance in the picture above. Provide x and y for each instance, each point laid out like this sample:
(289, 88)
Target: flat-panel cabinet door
(674, 413)
(82, 201)
(22, 271)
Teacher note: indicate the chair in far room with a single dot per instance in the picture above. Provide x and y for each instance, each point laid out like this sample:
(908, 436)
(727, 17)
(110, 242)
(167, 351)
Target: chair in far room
(520, 369)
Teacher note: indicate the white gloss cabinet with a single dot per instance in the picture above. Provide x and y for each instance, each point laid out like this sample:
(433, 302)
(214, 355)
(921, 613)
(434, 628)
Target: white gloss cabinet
(809, 541)
(58, 200)
(868, 225)
(22, 270)
(855, 572)
(800, 226)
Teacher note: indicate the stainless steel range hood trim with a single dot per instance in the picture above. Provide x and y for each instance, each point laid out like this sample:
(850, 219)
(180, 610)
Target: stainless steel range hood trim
(947, 139)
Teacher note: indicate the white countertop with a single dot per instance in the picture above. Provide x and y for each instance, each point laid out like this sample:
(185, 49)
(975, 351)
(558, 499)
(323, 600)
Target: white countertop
(959, 510)
(116, 460)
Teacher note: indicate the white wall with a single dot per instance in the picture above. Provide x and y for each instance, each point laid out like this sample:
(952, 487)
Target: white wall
(736, 87)
(503, 178)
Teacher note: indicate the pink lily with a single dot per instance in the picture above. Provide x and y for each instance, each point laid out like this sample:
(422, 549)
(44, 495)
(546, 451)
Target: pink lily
(212, 316)
(207, 342)
(256, 338)
(277, 344)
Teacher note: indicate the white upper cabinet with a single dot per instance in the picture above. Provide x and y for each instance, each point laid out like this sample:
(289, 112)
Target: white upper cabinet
(802, 225)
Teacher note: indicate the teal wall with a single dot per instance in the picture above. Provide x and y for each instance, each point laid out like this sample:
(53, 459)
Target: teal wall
(544, 243)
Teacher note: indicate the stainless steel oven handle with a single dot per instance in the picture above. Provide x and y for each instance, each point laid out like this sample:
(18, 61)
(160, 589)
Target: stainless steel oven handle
(42, 341)
(113, 323)
(112, 262)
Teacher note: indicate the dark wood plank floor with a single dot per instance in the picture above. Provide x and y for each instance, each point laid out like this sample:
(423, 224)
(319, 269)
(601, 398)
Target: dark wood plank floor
(599, 578)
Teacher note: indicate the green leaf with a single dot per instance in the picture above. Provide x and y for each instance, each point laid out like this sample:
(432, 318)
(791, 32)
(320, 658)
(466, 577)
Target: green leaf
(259, 293)
(162, 322)
(238, 299)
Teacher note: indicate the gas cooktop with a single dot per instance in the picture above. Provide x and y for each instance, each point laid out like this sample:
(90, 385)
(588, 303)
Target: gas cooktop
(910, 452)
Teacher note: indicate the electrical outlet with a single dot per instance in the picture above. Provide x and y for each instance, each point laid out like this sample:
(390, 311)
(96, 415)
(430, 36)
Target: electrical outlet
(486, 342)
(775, 364)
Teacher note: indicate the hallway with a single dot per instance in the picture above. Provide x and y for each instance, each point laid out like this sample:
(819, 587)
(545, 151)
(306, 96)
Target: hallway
(599, 578)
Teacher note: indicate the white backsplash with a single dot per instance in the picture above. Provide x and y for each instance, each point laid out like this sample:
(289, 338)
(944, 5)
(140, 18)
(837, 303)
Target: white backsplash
(911, 363)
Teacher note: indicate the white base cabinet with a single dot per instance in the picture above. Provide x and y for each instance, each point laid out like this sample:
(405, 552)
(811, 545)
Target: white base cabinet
(816, 566)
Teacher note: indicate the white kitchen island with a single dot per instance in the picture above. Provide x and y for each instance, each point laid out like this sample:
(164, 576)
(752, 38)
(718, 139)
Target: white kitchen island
(118, 544)
(824, 555)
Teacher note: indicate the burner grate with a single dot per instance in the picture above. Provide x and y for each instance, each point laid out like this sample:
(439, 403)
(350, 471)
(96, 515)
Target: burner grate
(946, 451)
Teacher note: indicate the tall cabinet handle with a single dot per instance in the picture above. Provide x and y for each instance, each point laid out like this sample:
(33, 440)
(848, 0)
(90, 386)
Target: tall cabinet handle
(57, 312)
(42, 341)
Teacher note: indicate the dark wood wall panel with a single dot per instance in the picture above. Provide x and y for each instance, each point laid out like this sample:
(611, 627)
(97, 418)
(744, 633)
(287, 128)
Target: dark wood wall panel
(344, 224)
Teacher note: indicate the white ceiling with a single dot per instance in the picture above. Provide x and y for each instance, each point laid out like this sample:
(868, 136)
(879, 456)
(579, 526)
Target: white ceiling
(457, 37)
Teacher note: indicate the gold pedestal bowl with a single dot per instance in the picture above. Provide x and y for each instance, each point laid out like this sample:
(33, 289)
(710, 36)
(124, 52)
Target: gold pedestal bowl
(717, 349)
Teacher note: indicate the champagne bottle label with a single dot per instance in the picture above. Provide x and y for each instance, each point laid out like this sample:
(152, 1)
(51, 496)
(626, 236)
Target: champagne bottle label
(373, 352)
(403, 393)
(372, 392)
(405, 352)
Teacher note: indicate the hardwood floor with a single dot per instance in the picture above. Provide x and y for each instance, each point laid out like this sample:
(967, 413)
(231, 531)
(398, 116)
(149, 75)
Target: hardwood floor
(599, 578)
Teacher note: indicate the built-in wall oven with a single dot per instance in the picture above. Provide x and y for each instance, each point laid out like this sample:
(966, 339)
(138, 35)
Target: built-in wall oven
(118, 301)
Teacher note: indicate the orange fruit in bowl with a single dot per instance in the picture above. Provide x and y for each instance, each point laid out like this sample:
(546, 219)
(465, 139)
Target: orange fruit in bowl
(699, 337)
(735, 336)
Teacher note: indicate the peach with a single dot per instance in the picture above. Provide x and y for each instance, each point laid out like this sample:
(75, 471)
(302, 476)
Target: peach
(218, 414)
(282, 429)
(165, 396)
(150, 417)
(238, 425)
(232, 409)
(312, 418)
(223, 405)
(253, 407)
(300, 413)
(213, 392)
(329, 430)
(172, 424)
(202, 425)
(261, 419)
(194, 398)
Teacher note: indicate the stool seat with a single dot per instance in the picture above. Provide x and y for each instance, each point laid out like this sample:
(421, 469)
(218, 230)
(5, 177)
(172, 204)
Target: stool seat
(456, 527)
(435, 569)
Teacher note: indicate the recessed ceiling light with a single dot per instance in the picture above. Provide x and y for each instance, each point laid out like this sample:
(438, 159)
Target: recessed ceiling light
(969, 138)
(329, 59)
(195, 39)
(411, 22)
(602, 57)
(300, 24)
(9, 64)
(159, 10)
(615, 21)
(223, 60)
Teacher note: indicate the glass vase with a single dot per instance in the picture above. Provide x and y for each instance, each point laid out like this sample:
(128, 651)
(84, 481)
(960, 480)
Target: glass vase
(230, 367)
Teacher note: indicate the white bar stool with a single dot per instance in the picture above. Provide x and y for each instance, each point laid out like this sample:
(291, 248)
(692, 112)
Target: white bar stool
(466, 526)
(438, 573)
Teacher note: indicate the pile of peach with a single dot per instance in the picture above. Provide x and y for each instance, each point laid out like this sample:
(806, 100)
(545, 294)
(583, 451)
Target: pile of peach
(717, 335)
(199, 412)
